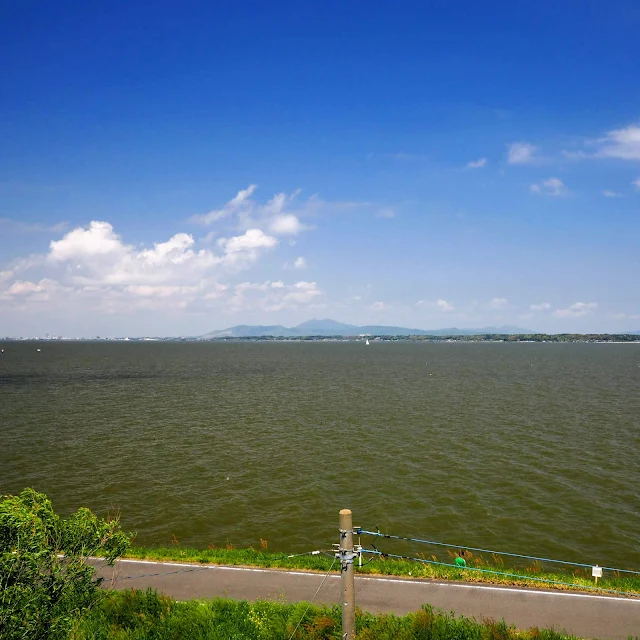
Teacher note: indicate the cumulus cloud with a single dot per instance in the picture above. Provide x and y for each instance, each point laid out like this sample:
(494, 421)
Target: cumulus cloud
(443, 305)
(98, 240)
(240, 250)
(97, 255)
(477, 164)
(94, 267)
(299, 263)
(636, 183)
(379, 306)
(521, 153)
(43, 290)
(542, 306)
(286, 225)
(576, 310)
(550, 187)
(607, 193)
(620, 143)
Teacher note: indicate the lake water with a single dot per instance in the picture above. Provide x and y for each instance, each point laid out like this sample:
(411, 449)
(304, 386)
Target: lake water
(529, 448)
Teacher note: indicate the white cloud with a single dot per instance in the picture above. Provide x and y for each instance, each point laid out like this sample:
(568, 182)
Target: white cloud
(302, 293)
(246, 245)
(576, 310)
(620, 143)
(99, 239)
(41, 291)
(155, 291)
(286, 224)
(542, 306)
(379, 306)
(94, 267)
(283, 214)
(498, 303)
(23, 287)
(636, 183)
(236, 205)
(97, 255)
(607, 193)
(273, 296)
(386, 212)
(443, 305)
(550, 187)
(521, 153)
(477, 164)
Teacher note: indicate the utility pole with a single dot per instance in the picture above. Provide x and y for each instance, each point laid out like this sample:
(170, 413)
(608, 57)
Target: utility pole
(347, 556)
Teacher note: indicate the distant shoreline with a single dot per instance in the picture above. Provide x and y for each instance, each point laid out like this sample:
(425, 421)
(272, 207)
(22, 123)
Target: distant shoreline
(621, 338)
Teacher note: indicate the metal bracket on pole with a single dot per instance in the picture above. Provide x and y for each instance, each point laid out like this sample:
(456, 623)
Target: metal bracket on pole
(347, 557)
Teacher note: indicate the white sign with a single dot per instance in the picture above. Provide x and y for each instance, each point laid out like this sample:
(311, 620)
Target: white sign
(596, 571)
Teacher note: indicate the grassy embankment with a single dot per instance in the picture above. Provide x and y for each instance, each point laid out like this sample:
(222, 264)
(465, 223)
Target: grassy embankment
(389, 566)
(138, 615)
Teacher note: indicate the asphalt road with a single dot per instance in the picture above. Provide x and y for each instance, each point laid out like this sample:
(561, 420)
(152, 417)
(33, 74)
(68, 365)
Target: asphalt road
(584, 615)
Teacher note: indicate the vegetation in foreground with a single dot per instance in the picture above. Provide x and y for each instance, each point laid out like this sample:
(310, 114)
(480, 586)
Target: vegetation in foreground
(45, 581)
(48, 590)
(580, 578)
(138, 615)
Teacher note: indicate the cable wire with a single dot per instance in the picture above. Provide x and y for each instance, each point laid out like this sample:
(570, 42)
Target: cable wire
(209, 566)
(162, 573)
(501, 553)
(502, 573)
(312, 599)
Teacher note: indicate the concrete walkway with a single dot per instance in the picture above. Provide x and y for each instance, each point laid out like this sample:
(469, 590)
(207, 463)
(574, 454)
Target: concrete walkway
(586, 616)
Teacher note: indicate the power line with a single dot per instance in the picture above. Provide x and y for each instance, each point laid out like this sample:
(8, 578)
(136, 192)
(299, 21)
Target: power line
(314, 597)
(358, 530)
(500, 573)
(162, 573)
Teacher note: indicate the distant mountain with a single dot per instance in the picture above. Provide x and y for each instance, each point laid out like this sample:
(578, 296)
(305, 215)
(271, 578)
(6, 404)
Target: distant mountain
(329, 327)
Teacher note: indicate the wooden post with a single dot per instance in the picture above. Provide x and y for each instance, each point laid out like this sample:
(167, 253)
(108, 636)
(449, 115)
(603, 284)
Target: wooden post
(348, 586)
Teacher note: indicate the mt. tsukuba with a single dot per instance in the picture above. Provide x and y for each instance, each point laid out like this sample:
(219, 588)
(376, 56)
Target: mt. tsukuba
(329, 327)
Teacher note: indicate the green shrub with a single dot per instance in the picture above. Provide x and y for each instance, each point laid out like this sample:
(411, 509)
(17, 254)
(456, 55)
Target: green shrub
(45, 581)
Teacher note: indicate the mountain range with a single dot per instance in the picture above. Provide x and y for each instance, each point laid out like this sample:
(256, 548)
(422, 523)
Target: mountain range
(329, 327)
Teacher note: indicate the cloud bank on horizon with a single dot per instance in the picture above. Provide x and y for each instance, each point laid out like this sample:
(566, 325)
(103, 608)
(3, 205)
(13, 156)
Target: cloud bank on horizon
(493, 203)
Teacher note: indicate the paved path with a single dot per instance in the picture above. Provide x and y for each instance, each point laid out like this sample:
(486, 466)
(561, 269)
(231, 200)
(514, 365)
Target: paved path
(586, 616)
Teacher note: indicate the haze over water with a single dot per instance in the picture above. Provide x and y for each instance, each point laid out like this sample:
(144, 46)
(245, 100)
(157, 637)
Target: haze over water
(528, 448)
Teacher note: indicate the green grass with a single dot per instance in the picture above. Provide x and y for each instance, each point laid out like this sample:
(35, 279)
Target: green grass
(138, 615)
(581, 578)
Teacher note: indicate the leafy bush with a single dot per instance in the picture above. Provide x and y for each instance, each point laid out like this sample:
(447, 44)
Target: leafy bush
(45, 580)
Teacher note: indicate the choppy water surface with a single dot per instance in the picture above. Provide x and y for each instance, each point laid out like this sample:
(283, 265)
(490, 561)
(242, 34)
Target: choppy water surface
(531, 448)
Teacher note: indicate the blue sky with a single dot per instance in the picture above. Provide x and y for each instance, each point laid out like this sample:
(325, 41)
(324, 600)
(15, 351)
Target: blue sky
(175, 168)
